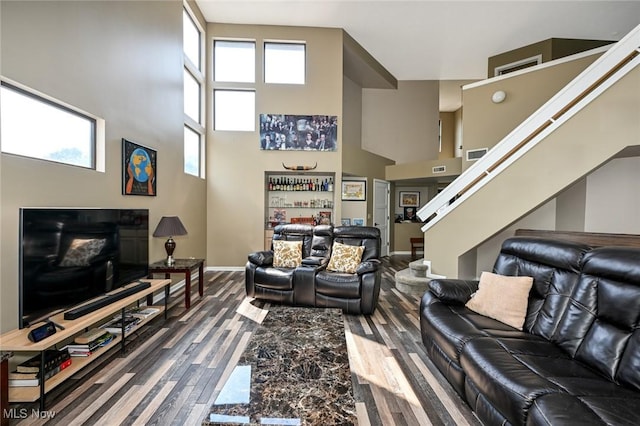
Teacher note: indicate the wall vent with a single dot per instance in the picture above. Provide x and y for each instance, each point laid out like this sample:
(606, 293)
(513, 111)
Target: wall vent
(438, 169)
(518, 65)
(476, 154)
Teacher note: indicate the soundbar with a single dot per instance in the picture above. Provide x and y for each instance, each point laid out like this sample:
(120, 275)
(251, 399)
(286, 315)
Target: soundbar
(105, 301)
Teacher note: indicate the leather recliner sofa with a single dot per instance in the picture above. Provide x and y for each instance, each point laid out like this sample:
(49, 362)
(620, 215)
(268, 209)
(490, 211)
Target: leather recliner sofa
(577, 359)
(311, 284)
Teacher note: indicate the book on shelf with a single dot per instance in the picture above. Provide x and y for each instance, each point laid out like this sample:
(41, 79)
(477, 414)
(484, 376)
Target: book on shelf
(143, 313)
(103, 339)
(22, 376)
(17, 379)
(115, 325)
(89, 348)
(52, 359)
(14, 383)
(89, 336)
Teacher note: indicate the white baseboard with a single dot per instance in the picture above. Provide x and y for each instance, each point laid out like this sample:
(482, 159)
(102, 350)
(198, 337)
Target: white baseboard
(225, 268)
(408, 253)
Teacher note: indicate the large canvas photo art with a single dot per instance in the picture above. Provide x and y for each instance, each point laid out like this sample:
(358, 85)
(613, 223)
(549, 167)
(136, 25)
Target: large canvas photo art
(284, 132)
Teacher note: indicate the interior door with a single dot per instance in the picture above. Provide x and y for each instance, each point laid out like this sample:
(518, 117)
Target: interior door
(381, 220)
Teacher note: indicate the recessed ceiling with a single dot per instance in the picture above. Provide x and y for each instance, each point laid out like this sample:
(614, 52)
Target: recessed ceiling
(439, 40)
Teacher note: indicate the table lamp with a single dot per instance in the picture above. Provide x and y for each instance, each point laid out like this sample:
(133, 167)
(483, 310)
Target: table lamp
(170, 226)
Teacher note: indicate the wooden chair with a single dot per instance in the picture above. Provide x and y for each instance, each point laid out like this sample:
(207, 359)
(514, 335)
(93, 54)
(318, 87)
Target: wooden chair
(416, 243)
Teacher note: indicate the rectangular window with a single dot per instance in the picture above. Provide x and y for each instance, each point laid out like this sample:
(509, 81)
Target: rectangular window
(190, 39)
(191, 151)
(234, 110)
(35, 127)
(284, 63)
(234, 61)
(193, 93)
(191, 96)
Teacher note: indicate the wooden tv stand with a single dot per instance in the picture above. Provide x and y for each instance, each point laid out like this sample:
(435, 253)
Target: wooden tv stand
(17, 340)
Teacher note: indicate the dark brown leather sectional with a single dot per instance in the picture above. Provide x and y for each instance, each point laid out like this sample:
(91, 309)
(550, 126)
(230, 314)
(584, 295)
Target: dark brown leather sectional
(577, 360)
(311, 284)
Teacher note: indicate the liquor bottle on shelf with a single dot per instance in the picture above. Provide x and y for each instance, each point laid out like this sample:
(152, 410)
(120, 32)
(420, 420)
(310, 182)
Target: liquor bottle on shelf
(330, 186)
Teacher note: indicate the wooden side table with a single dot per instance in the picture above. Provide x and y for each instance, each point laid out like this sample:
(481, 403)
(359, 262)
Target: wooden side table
(182, 266)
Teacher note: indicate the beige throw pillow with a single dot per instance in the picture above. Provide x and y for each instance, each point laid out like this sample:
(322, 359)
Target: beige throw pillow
(502, 298)
(345, 258)
(287, 254)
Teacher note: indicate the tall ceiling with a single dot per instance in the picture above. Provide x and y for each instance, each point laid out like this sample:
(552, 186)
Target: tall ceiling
(438, 40)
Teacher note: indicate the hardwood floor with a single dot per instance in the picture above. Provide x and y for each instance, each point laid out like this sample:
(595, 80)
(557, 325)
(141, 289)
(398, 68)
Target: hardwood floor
(173, 370)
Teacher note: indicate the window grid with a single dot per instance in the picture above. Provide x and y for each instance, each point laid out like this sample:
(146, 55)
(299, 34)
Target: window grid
(194, 82)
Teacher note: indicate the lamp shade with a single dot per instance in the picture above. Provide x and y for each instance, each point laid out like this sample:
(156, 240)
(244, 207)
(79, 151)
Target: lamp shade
(169, 226)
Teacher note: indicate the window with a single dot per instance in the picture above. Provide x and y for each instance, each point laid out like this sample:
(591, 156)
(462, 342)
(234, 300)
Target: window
(234, 110)
(191, 96)
(234, 61)
(191, 151)
(284, 63)
(37, 127)
(193, 76)
(190, 39)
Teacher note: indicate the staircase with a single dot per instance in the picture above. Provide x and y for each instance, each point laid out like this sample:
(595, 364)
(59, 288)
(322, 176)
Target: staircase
(591, 120)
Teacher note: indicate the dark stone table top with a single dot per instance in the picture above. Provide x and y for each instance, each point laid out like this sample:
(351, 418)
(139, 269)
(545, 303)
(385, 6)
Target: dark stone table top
(294, 371)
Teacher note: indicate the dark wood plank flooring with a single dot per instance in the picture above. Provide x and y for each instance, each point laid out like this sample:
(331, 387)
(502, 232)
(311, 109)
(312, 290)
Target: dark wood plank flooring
(173, 370)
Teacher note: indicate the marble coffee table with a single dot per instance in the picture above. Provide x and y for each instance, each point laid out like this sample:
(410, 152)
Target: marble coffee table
(294, 371)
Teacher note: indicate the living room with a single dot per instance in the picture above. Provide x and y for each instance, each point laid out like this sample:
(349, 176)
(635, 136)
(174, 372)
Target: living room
(122, 62)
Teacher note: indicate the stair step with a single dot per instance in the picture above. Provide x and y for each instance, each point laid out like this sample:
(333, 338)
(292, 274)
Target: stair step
(407, 282)
(418, 268)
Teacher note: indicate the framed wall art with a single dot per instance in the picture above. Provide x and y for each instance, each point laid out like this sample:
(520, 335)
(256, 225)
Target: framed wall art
(354, 190)
(345, 221)
(356, 221)
(409, 199)
(139, 169)
(410, 214)
(288, 132)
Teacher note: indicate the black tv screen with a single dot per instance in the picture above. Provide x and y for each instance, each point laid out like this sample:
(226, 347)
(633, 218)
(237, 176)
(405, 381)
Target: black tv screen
(71, 255)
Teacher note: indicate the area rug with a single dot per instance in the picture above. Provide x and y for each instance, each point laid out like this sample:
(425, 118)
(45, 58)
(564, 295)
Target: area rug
(298, 368)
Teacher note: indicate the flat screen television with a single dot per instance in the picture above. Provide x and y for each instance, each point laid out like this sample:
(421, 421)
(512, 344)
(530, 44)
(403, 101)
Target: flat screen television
(70, 255)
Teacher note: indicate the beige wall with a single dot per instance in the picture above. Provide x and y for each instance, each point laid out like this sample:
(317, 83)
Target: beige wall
(525, 94)
(355, 160)
(121, 61)
(447, 135)
(550, 49)
(406, 117)
(571, 207)
(402, 233)
(612, 197)
(236, 165)
(544, 217)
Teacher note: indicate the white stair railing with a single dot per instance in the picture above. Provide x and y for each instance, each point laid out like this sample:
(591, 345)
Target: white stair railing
(619, 60)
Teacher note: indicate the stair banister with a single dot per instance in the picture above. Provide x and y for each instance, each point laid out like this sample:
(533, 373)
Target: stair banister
(604, 72)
